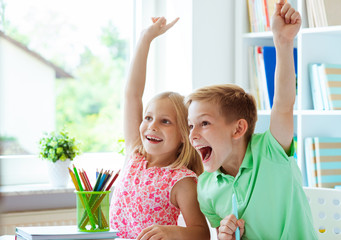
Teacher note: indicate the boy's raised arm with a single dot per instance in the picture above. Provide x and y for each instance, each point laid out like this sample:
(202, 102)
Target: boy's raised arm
(286, 23)
(133, 108)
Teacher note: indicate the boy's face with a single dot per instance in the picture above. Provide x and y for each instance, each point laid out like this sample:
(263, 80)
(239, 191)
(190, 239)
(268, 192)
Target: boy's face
(210, 135)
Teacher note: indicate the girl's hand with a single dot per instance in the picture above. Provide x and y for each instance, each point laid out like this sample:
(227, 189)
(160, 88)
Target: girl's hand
(286, 22)
(159, 27)
(228, 227)
(155, 232)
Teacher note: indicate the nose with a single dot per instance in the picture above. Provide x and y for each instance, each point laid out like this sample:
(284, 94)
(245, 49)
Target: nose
(193, 134)
(152, 125)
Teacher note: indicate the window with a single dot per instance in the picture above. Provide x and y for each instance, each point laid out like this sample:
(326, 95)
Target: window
(63, 65)
(68, 72)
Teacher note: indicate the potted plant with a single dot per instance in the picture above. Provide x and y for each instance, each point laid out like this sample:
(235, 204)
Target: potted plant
(59, 149)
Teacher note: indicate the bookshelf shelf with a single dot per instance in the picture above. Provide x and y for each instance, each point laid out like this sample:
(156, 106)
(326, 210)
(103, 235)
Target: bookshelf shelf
(313, 45)
(334, 30)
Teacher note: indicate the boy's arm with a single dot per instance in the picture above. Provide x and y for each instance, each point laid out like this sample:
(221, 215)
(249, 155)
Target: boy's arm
(286, 23)
(133, 108)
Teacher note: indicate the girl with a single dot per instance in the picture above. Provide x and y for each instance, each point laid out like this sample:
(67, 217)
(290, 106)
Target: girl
(160, 173)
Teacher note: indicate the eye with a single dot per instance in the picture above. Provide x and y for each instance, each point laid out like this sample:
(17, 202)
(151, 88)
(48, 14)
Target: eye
(205, 123)
(190, 126)
(166, 121)
(147, 118)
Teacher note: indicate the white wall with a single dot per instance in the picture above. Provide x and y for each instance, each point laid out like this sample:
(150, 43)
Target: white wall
(197, 51)
(213, 42)
(27, 93)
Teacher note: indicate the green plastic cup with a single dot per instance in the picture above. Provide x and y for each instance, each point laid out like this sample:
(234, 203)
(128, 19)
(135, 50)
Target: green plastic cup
(93, 211)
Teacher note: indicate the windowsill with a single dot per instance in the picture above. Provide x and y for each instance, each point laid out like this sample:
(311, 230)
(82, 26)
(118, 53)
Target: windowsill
(36, 197)
(34, 189)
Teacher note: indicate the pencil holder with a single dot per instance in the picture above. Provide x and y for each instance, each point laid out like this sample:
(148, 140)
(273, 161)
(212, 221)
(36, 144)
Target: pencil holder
(93, 211)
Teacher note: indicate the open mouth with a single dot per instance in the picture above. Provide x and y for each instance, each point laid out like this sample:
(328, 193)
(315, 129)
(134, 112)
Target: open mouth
(153, 139)
(205, 152)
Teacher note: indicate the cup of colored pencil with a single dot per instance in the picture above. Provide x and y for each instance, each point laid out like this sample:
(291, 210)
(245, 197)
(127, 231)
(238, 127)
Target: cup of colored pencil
(93, 202)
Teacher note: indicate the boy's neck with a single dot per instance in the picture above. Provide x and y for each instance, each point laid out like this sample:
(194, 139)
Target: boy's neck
(233, 162)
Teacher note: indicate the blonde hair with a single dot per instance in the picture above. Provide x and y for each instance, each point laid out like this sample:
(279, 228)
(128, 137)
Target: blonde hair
(187, 155)
(234, 103)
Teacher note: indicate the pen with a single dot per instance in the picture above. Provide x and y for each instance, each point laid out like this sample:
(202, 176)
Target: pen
(235, 212)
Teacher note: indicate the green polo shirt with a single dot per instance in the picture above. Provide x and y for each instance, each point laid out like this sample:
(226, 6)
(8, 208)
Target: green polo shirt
(269, 193)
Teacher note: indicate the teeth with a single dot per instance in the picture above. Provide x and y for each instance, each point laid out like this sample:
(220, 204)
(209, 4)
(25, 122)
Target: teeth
(153, 138)
(200, 147)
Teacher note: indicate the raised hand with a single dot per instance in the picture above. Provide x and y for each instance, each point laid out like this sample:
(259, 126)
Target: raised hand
(286, 22)
(158, 27)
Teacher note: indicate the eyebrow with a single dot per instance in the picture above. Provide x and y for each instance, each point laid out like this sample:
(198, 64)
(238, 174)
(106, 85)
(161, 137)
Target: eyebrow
(162, 115)
(202, 115)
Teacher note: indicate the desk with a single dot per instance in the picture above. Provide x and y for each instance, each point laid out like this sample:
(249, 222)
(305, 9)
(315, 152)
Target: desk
(12, 237)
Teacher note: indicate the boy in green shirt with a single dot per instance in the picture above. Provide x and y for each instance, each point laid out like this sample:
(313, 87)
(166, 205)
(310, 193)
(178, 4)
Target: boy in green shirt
(258, 168)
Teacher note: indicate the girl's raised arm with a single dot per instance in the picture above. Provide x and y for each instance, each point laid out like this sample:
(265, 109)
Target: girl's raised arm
(133, 108)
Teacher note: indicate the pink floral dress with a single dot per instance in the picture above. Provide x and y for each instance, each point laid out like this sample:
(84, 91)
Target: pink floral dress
(142, 197)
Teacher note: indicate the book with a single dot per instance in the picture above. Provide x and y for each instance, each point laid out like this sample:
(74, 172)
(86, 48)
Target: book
(315, 86)
(328, 161)
(61, 232)
(332, 12)
(332, 76)
(269, 59)
(310, 161)
(325, 80)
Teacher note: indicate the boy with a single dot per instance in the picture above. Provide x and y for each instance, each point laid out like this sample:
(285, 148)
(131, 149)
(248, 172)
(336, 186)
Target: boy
(258, 168)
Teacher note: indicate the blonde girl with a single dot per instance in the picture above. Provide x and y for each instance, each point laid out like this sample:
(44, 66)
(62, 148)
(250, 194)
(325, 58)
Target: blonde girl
(160, 174)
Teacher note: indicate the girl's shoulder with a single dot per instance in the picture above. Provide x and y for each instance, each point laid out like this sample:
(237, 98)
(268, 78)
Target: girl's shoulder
(181, 173)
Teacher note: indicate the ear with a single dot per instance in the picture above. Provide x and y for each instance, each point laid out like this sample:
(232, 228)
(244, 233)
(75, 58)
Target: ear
(241, 127)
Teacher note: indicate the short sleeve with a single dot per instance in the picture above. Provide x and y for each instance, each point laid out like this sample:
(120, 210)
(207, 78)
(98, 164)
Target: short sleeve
(180, 174)
(212, 218)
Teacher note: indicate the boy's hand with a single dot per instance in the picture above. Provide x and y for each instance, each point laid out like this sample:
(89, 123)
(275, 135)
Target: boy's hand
(156, 232)
(228, 227)
(286, 22)
(159, 27)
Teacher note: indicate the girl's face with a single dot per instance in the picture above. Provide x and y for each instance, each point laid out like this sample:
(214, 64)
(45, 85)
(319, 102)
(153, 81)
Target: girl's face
(159, 131)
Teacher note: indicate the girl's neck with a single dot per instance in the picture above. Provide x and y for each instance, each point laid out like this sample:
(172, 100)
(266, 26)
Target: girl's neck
(158, 161)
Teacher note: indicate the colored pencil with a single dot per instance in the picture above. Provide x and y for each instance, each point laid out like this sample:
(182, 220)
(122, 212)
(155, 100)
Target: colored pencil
(86, 205)
(235, 212)
(112, 181)
(87, 179)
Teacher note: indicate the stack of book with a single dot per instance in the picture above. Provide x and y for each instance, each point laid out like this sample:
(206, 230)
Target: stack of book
(323, 13)
(262, 64)
(260, 13)
(60, 232)
(323, 161)
(325, 81)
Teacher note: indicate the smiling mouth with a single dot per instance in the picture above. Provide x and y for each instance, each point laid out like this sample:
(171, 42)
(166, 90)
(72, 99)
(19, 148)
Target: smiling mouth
(205, 152)
(153, 139)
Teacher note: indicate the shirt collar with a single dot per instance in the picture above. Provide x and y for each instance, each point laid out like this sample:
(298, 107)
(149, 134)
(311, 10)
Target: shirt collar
(247, 163)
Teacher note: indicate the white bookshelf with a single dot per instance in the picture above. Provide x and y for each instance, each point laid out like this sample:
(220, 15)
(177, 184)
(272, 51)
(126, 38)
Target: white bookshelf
(313, 45)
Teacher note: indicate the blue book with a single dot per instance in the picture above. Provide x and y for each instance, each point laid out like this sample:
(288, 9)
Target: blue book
(269, 54)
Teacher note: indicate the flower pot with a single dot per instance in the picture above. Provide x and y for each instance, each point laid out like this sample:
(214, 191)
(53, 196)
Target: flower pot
(58, 172)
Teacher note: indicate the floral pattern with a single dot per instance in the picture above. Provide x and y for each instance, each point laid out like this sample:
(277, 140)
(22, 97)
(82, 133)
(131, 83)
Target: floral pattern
(142, 197)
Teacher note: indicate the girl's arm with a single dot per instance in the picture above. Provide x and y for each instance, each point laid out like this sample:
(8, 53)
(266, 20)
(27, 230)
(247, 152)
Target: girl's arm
(133, 109)
(184, 196)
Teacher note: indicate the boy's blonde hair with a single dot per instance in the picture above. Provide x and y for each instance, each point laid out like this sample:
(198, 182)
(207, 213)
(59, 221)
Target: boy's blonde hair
(234, 103)
(187, 155)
